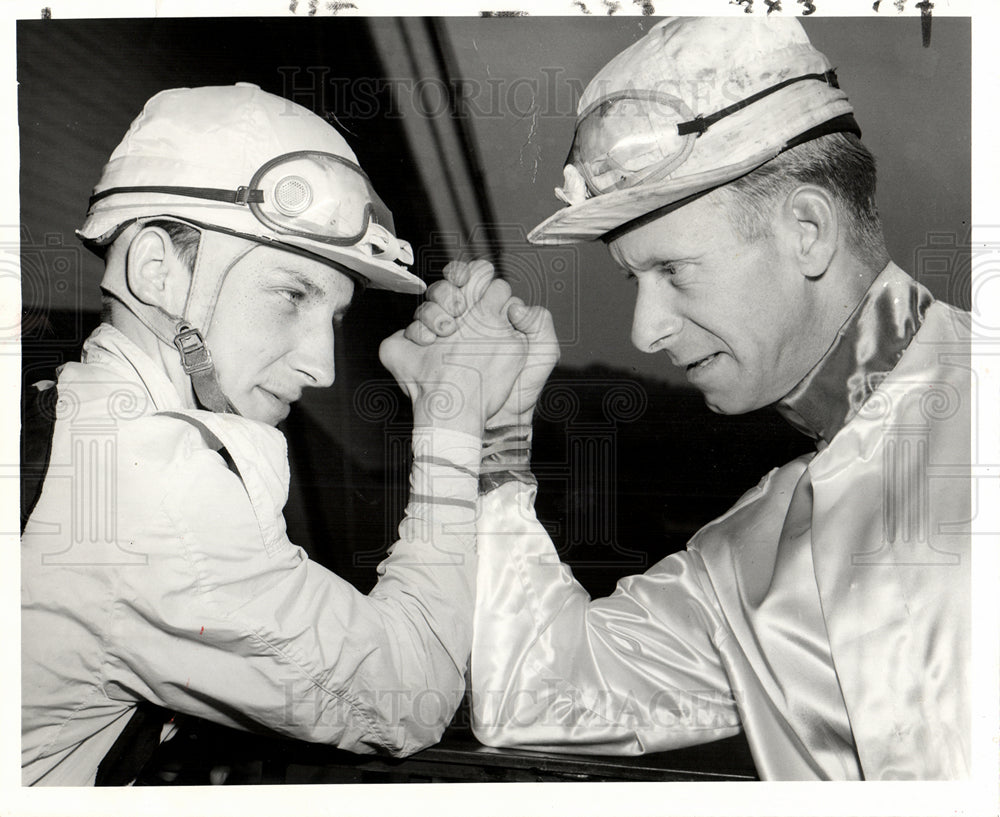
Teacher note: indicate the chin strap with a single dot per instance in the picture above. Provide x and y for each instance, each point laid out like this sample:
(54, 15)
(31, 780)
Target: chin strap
(218, 253)
(197, 363)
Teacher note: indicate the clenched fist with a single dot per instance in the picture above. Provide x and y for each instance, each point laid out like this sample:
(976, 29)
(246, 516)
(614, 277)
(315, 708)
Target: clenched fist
(461, 377)
(453, 299)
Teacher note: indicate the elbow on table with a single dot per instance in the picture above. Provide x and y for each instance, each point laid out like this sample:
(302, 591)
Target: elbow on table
(421, 723)
(410, 739)
(496, 736)
(503, 732)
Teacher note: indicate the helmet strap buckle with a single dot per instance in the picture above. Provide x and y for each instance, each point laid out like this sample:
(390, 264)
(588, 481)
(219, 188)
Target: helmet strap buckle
(244, 195)
(195, 356)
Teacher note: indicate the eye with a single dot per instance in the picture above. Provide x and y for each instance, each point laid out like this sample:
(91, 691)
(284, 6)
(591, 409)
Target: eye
(292, 295)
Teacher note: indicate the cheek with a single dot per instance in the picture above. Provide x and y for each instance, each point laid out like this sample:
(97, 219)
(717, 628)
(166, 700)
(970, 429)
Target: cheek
(781, 350)
(760, 357)
(245, 337)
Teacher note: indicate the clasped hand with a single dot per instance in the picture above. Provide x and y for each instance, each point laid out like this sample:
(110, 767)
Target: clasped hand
(474, 355)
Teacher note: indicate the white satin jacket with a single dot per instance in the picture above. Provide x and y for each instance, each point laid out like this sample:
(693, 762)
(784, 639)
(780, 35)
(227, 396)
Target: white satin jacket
(156, 566)
(826, 614)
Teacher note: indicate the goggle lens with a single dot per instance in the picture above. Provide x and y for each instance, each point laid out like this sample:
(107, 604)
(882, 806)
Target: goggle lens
(623, 140)
(319, 196)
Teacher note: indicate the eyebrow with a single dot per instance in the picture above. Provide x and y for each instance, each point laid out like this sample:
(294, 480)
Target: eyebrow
(629, 271)
(313, 290)
(621, 262)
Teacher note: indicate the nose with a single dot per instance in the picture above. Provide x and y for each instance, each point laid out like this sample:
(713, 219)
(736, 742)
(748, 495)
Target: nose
(656, 319)
(313, 354)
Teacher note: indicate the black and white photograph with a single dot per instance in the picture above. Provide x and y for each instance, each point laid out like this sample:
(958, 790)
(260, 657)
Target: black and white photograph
(595, 395)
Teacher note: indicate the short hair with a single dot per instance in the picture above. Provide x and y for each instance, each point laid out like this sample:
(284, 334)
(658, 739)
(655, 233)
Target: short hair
(184, 237)
(185, 240)
(837, 162)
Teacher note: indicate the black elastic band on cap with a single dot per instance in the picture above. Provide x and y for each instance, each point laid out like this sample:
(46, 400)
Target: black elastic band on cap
(700, 124)
(645, 218)
(242, 195)
(845, 123)
(360, 281)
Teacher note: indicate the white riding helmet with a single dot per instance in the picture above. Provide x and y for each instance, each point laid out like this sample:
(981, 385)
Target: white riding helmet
(245, 160)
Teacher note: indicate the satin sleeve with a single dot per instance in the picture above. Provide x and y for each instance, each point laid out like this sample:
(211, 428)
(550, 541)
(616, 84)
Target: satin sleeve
(552, 669)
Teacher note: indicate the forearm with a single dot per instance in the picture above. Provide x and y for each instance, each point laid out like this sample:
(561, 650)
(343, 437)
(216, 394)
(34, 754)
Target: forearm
(400, 691)
(403, 649)
(631, 673)
(426, 585)
(398, 656)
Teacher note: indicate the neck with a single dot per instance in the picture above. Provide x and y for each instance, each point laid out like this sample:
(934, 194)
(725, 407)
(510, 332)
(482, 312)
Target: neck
(867, 347)
(163, 355)
(839, 291)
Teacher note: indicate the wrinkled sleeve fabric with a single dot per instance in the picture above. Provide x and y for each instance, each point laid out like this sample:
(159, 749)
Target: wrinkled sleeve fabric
(246, 630)
(552, 669)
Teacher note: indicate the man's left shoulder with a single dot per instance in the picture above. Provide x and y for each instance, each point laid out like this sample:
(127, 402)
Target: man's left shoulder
(939, 353)
(947, 322)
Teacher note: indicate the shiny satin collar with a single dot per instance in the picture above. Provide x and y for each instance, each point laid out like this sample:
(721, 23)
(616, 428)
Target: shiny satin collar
(867, 348)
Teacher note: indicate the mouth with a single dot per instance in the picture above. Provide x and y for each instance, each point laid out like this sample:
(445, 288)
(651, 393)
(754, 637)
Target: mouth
(280, 403)
(702, 364)
(282, 397)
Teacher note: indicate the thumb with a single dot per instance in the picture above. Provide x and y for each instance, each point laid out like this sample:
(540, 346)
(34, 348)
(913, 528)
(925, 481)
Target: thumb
(388, 350)
(534, 321)
(543, 346)
(516, 312)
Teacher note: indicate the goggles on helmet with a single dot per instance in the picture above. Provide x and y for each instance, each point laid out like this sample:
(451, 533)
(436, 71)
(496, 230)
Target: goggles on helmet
(632, 136)
(625, 138)
(310, 194)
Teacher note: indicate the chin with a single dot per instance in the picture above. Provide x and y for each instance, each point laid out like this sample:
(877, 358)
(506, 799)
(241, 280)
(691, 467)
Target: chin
(270, 418)
(259, 409)
(723, 404)
(719, 409)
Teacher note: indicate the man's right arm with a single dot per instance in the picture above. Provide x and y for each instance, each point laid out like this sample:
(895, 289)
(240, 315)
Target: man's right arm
(635, 672)
(552, 669)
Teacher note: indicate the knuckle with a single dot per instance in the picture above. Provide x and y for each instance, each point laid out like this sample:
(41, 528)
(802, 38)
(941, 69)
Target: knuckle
(456, 272)
(384, 351)
(430, 313)
(481, 267)
(480, 275)
(434, 290)
(450, 298)
(500, 289)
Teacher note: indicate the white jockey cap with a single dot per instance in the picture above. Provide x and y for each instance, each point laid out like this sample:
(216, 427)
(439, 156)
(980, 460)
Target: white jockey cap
(696, 103)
